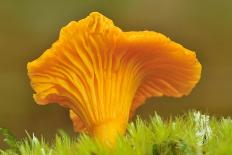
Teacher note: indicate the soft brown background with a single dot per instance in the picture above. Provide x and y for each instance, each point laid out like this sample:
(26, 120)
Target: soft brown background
(29, 27)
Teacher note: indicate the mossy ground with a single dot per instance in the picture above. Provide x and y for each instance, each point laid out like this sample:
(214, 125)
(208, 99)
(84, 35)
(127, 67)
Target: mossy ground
(192, 133)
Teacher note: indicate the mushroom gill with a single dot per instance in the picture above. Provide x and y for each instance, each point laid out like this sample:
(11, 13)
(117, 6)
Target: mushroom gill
(103, 74)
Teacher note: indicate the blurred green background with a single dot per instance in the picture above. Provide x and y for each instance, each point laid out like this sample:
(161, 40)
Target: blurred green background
(29, 27)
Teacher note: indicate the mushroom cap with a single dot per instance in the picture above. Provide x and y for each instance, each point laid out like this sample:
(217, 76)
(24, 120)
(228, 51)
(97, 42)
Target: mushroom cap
(170, 69)
(101, 73)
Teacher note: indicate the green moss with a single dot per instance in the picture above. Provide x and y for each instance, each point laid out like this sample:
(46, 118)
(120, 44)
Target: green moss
(192, 133)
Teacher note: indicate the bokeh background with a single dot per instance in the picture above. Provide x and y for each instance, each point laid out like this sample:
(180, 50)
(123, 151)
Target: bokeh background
(28, 27)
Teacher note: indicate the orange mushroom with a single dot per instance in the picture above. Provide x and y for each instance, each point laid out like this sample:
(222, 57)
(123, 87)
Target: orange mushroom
(103, 74)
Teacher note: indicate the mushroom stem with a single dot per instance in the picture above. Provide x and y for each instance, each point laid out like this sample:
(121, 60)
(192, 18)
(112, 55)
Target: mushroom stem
(107, 132)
